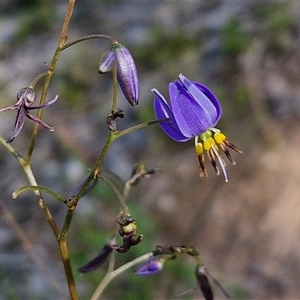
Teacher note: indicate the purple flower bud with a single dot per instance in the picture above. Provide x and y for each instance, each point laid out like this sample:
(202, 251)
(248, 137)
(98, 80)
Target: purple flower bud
(151, 267)
(127, 74)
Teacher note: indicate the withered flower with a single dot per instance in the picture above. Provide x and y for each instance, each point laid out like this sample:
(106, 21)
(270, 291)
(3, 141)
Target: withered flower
(26, 97)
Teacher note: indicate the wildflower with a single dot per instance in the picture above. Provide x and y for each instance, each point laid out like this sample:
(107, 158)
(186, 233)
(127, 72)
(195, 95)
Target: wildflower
(151, 267)
(100, 258)
(26, 96)
(126, 71)
(194, 112)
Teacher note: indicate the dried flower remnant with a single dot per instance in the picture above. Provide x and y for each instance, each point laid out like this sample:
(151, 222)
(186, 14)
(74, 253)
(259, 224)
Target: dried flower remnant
(26, 97)
(194, 112)
(127, 231)
(111, 119)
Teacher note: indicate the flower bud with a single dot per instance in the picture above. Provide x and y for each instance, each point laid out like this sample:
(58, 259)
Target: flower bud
(127, 74)
(151, 267)
(100, 258)
(203, 282)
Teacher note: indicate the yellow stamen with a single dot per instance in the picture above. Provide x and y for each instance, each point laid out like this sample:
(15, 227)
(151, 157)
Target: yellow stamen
(206, 145)
(219, 137)
(199, 148)
(211, 141)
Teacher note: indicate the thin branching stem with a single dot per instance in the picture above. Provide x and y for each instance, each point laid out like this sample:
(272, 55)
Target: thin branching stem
(119, 133)
(110, 276)
(17, 192)
(90, 37)
(50, 73)
(118, 194)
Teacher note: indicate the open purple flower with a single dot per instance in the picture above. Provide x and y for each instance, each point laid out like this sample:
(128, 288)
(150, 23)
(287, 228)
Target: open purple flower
(194, 112)
(26, 97)
(126, 71)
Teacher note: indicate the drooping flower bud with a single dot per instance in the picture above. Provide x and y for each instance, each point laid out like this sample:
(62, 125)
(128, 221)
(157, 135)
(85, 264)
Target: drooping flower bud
(127, 74)
(203, 283)
(100, 258)
(203, 277)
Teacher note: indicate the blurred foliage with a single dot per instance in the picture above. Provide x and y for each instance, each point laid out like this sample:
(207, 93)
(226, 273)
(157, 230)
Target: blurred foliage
(163, 47)
(233, 38)
(36, 17)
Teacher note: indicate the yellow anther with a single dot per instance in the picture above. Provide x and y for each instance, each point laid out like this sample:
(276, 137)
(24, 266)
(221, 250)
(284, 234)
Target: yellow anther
(206, 145)
(199, 148)
(211, 141)
(219, 137)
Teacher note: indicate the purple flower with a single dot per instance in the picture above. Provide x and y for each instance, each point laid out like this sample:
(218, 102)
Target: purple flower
(126, 71)
(26, 96)
(194, 112)
(151, 267)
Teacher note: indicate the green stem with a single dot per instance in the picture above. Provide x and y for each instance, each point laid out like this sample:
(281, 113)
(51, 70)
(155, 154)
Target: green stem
(117, 193)
(32, 181)
(90, 37)
(93, 174)
(50, 73)
(115, 90)
(119, 133)
(36, 79)
(13, 151)
(68, 268)
(17, 192)
(110, 276)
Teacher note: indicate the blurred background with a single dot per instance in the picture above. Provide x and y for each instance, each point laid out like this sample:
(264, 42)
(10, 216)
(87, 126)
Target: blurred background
(247, 230)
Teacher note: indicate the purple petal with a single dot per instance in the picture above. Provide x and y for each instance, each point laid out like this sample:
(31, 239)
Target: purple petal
(108, 62)
(193, 116)
(213, 99)
(162, 111)
(20, 120)
(39, 122)
(196, 90)
(10, 108)
(43, 105)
